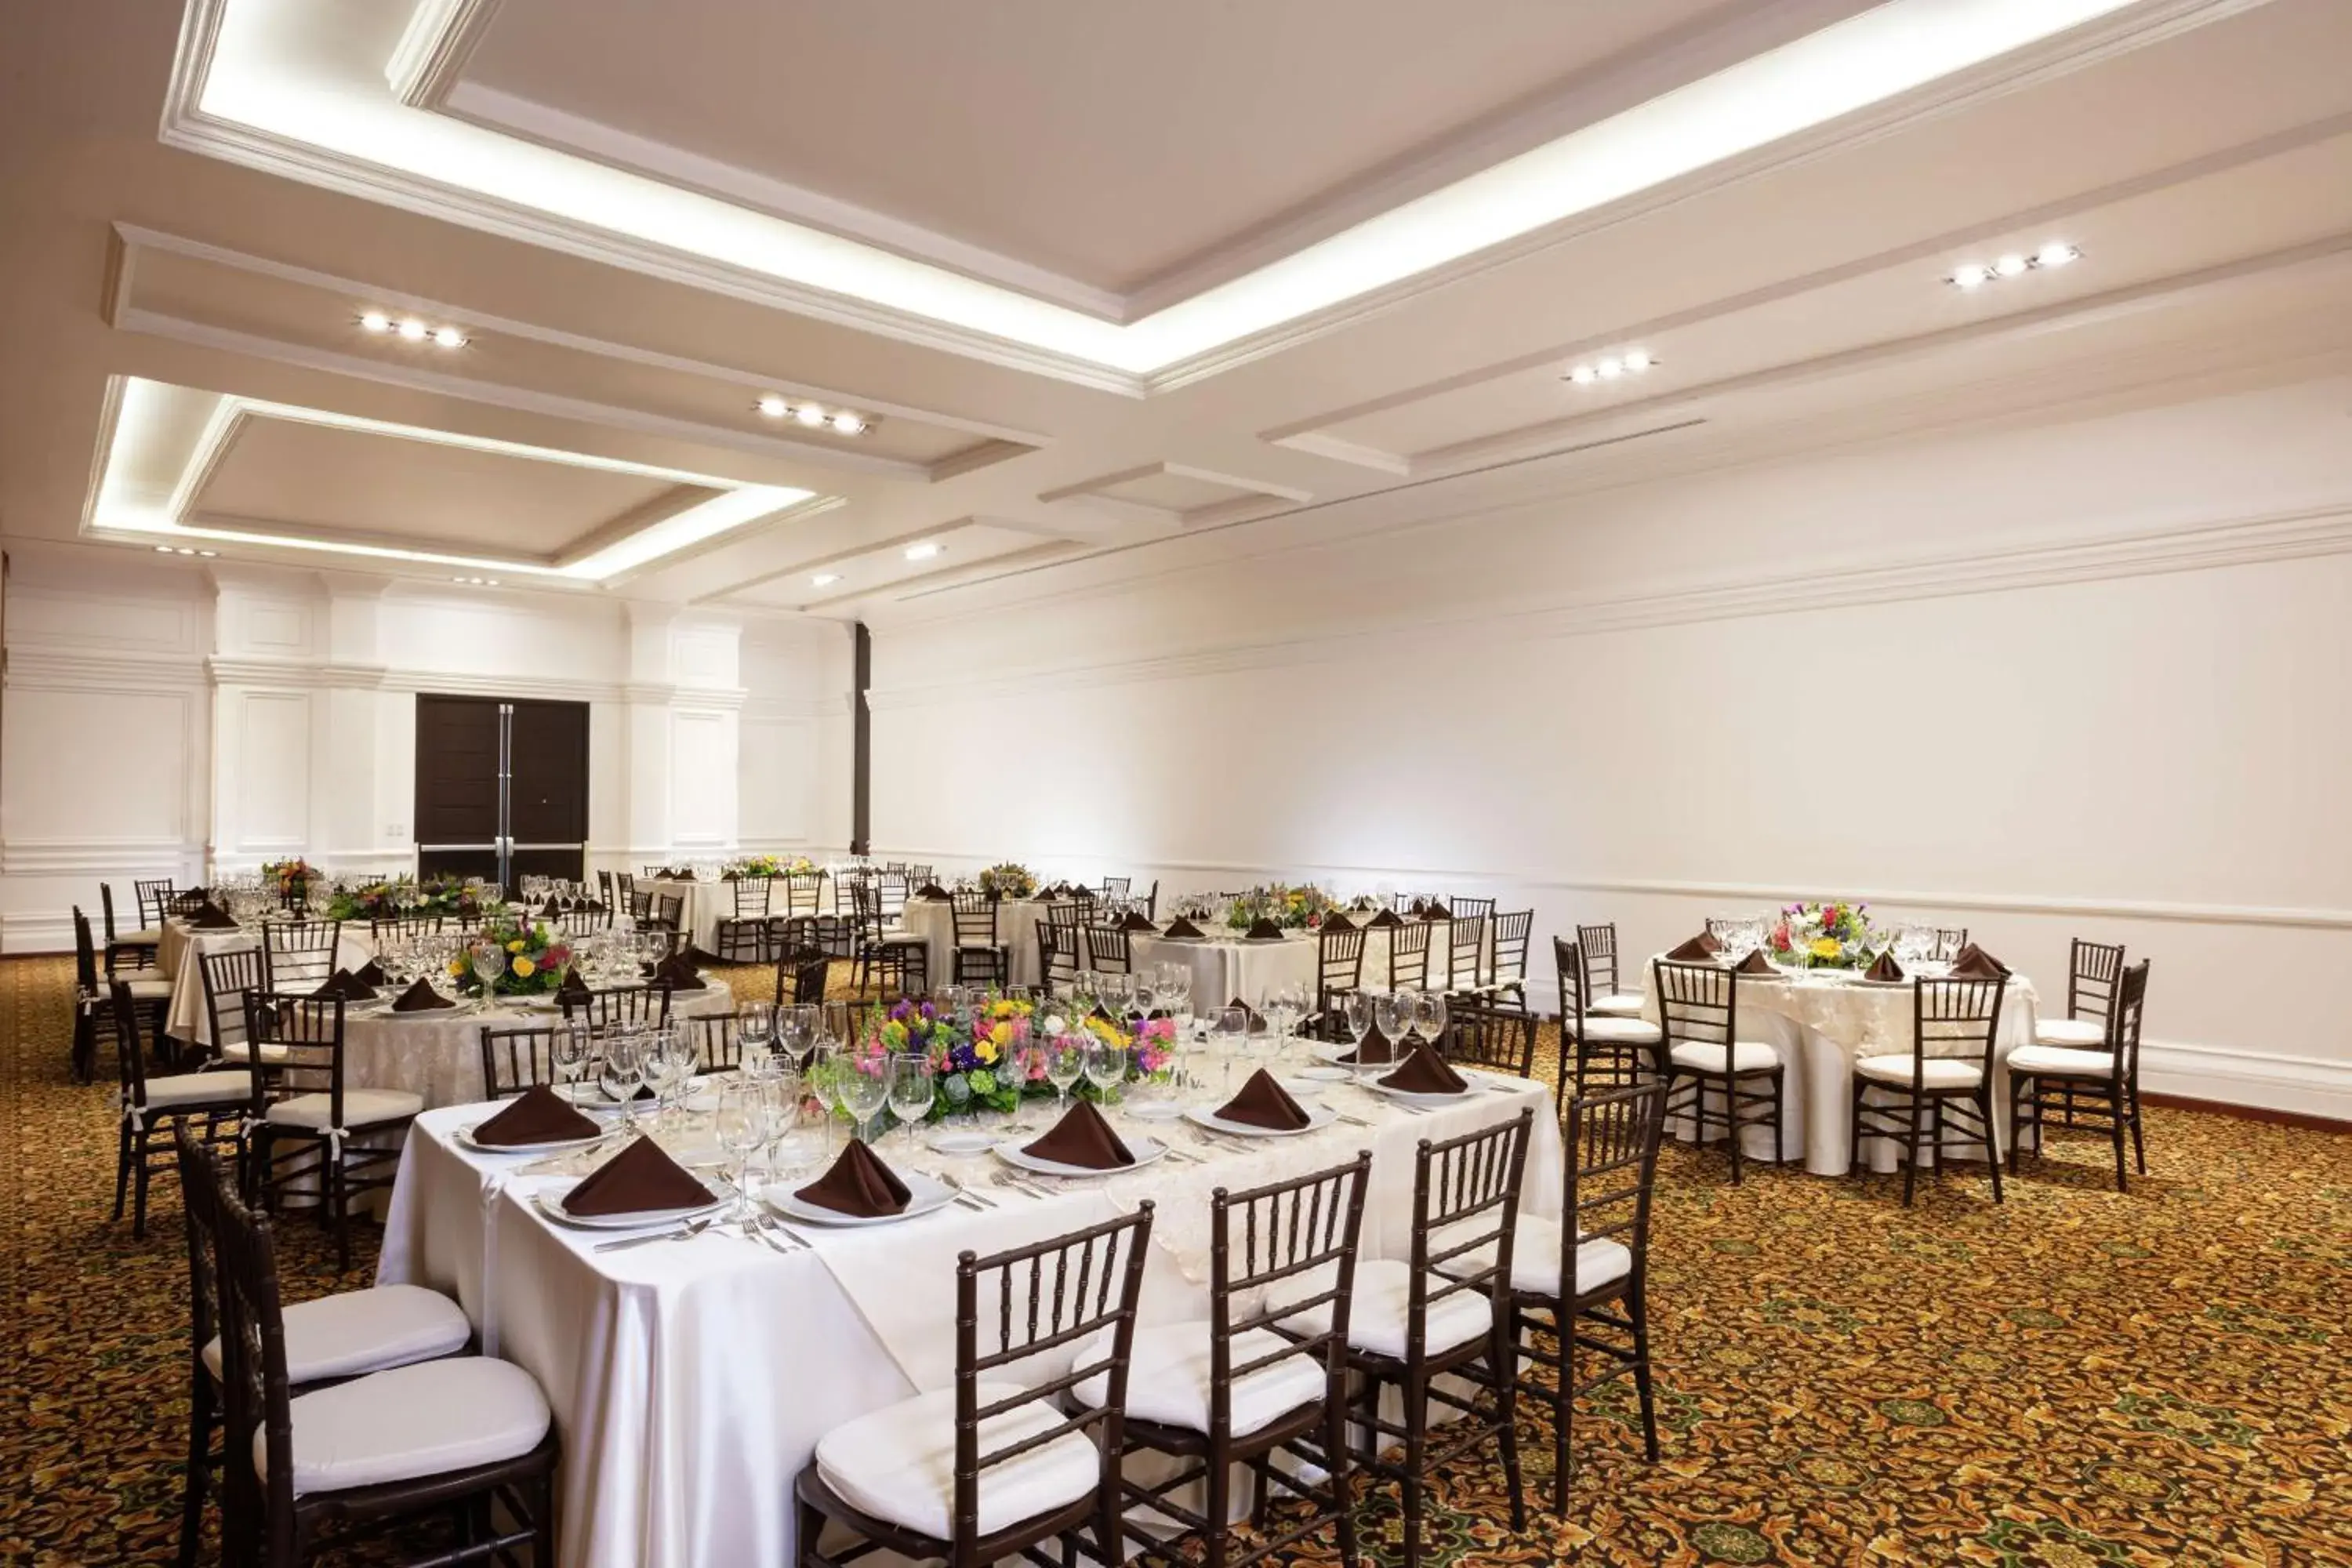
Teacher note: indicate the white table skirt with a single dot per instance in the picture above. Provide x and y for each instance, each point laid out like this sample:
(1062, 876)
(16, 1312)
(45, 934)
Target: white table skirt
(707, 904)
(933, 919)
(179, 955)
(691, 1381)
(439, 1054)
(1819, 1028)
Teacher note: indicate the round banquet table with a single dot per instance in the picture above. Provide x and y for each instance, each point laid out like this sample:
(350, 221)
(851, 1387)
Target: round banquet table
(1818, 1026)
(707, 904)
(933, 919)
(179, 955)
(439, 1053)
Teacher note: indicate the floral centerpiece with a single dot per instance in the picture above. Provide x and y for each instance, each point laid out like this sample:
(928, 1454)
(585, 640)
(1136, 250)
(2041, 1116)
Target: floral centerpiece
(753, 867)
(1009, 880)
(1824, 936)
(973, 1058)
(1290, 908)
(391, 896)
(536, 958)
(291, 878)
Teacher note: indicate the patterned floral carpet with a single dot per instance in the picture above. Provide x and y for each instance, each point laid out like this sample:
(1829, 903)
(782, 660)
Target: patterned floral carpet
(2077, 1378)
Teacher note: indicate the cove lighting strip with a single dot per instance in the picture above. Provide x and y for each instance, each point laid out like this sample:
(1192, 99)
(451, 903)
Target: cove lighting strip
(260, 77)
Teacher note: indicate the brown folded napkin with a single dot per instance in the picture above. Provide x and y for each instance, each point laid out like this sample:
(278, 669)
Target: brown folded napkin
(1436, 910)
(1883, 967)
(859, 1185)
(1136, 919)
(1265, 1104)
(371, 973)
(343, 983)
(930, 891)
(1338, 921)
(1423, 1071)
(1697, 950)
(1262, 928)
(1082, 1138)
(1975, 963)
(677, 972)
(640, 1179)
(1180, 926)
(210, 916)
(538, 1115)
(572, 986)
(1754, 964)
(420, 997)
(1377, 1050)
(1387, 919)
(1257, 1018)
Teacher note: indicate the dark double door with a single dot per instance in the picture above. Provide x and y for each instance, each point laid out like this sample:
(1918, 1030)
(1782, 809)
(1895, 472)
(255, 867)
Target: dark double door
(501, 788)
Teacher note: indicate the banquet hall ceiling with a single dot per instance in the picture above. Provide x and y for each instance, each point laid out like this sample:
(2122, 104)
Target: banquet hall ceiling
(1079, 176)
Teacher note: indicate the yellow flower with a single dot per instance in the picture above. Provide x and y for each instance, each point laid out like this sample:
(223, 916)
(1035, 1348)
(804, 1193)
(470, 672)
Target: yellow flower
(1823, 947)
(522, 968)
(457, 967)
(984, 1049)
(1001, 1036)
(515, 946)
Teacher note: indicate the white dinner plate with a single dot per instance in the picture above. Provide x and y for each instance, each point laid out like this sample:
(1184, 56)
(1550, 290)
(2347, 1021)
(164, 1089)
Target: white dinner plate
(1144, 1147)
(1317, 1117)
(551, 1203)
(427, 1015)
(465, 1140)
(1330, 1054)
(963, 1141)
(1377, 1087)
(924, 1195)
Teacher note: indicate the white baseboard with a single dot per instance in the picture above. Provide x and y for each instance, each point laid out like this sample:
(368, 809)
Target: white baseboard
(2307, 1086)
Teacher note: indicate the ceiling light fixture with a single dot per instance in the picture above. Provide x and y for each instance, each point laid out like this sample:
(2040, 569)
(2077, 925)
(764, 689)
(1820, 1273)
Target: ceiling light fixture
(449, 337)
(922, 551)
(1973, 275)
(815, 415)
(849, 424)
(412, 330)
(809, 414)
(376, 322)
(825, 579)
(1610, 367)
(772, 405)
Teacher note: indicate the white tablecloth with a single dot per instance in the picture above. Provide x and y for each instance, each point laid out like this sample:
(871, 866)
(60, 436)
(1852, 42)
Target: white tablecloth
(691, 1381)
(933, 919)
(179, 955)
(439, 1054)
(707, 904)
(1819, 1028)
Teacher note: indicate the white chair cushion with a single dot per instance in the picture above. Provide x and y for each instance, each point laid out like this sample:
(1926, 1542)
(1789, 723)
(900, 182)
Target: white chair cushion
(1619, 1002)
(897, 1463)
(361, 1108)
(356, 1331)
(197, 1089)
(1535, 1259)
(1168, 1377)
(1940, 1072)
(238, 1051)
(1746, 1055)
(2083, 1032)
(147, 937)
(2061, 1060)
(1377, 1315)
(1602, 1027)
(427, 1419)
(157, 989)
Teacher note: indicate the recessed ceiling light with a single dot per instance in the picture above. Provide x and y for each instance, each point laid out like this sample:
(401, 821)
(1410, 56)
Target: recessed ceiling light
(163, 550)
(1582, 375)
(809, 414)
(1973, 275)
(773, 406)
(849, 424)
(212, 552)
(1968, 275)
(1609, 368)
(1637, 359)
(825, 579)
(2012, 265)
(414, 330)
(2057, 253)
(450, 338)
(922, 551)
(376, 322)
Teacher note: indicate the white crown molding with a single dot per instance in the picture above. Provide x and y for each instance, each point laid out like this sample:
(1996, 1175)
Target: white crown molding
(186, 126)
(2189, 548)
(39, 668)
(433, 47)
(102, 857)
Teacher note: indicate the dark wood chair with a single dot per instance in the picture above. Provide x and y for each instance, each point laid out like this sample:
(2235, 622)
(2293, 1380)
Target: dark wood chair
(1114, 888)
(94, 1004)
(515, 1059)
(155, 897)
(1507, 961)
(1409, 956)
(1947, 1073)
(1338, 969)
(402, 928)
(665, 913)
(1073, 1294)
(1465, 953)
(1108, 951)
(1714, 1077)
(305, 1125)
(891, 962)
(803, 973)
(1598, 945)
(803, 892)
(1057, 956)
(1949, 940)
(228, 977)
(2093, 970)
(717, 1045)
(578, 920)
(981, 957)
(2102, 1083)
(127, 949)
(1581, 1282)
(617, 1006)
(743, 937)
(1598, 1050)
(370, 1450)
(298, 955)
(1436, 1323)
(152, 1110)
(1483, 1033)
(1255, 1392)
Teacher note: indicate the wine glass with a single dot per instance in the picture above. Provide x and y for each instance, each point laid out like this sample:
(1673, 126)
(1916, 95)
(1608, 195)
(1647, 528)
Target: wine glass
(1356, 1008)
(489, 962)
(913, 1082)
(823, 1077)
(1066, 1063)
(741, 1122)
(1232, 1037)
(1145, 985)
(789, 1091)
(1176, 990)
(1158, 1075)
(569, 1049)
(1393, 1016)
(865, 1088)
(1429, 1016)
(1283, 1007)
(755, 1028)
(620, 1075)
(1105, 1066)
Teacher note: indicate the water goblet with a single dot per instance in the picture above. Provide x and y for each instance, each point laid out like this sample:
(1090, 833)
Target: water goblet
(571, 1044)
(620, 1075)
(1428, 1015)
(1066, 1063)
(741, 1123)
(913, 1086)
(865, 1089)
(1105, 1067)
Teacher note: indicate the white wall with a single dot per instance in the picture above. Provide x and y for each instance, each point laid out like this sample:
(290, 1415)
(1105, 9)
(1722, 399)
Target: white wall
(2087, 678)
(181, 717)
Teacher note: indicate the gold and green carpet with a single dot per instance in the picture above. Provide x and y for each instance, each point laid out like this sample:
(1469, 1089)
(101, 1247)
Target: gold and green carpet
(2073, 1379)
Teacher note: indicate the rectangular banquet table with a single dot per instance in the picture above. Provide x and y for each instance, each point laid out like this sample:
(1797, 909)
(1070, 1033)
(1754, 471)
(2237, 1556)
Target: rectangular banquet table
(691, 1380)
(1818, 1026)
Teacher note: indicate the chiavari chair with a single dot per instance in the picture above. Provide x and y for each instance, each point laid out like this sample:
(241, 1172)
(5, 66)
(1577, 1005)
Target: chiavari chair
(665, 913)
(1581, 1282)
(891, 959)
(2102, 1082)
(618, 1007)
(298, 955)
(304, 1124)
(892, 887)
(1466, 954)
(1948, 1071)
(94, 1012)
(228, 977)
(1409, 956)
(329, 1339)
(1057, 956)
(1338, 969)
(308, 1476)
(154, 903)
(717, 1045)
(1483, 1033)
(1114, 888)
(1108, 951)
(1714, 1077)
(2093, 971)
(1507, 965)
(1229, 1390)
(140, 947)
(981, 956)
(1598, 945)
(803, 891)
(150, 1110)
(1949, 940)
(1434, 1322)
(991, 1469)
(742, 937)
(579, 921)
(1598, 1050)
(402, 928)
(802, 975)
(515, 1059)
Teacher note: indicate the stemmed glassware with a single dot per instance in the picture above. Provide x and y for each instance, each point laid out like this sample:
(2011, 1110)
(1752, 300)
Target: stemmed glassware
(865, 1089)
(1105, 1066)
(1356, 1010)
(621, 1074)
(755, 1028)
(1428, 1015)
(1176, 991)
(489, 961)
(1066, 1063)
(913, 1082)
(742, 1124)
(571, 1046)
(1393, 1016)
(1232, 1038)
